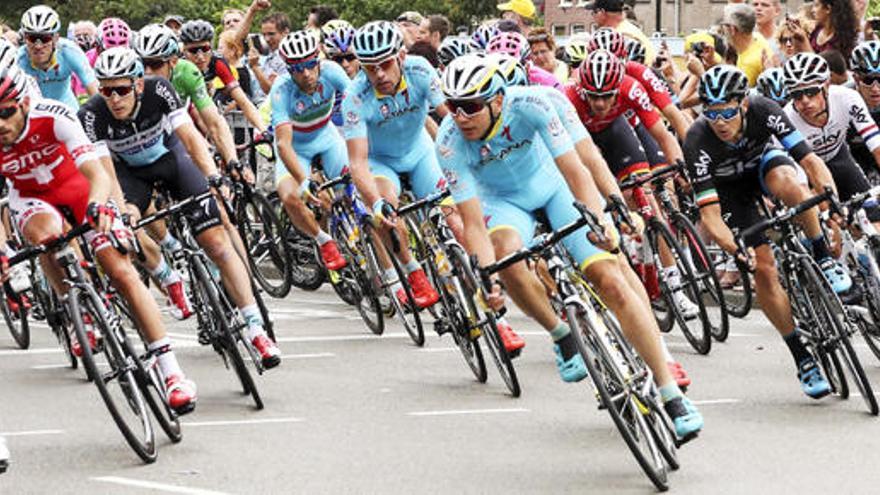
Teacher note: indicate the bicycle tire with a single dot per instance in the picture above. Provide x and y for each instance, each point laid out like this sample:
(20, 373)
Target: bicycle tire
(409, 315)
(738, 303)
(262, 235)
(16, 321)
(701, 343)
(604, 375)
(80, 300)
(364, 299)
(156, 396)
(871, 287)
(372, 277)
(343, 280)
(462, 311)
(306, 271)
(210, 292)
(704, 271)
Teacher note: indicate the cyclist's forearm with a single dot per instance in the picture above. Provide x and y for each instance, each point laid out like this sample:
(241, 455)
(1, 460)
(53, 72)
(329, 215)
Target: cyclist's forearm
(219, 132)
(678, 120)
(818, 173)
(475, 235)
(667, 142)
(288, 155)
(100, 187)
(580, 181)
(360, 170)
(711, 218)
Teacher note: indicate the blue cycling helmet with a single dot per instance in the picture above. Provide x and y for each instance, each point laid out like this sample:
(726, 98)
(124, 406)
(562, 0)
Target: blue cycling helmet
(771, 83)
(723, 84)
(156, 41)
(377, 41)
(455, 46)
(338, 37)
(865, 58)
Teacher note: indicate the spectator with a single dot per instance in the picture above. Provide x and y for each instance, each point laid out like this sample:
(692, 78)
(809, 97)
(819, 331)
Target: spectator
(433, 30)
(836, 26)
(10, 34)
(861, 8)
(423, 48)
(508, 26)
(409, 23)
(273, 28)
(703, 51)
(767, 17)
(752, 50)
(175, 22)
(520, 11)
(793, 37)
(233, 51)
(320, 15)
(231, 19)
(839, 73)
(544, 54)
(872, 29)
(609, 13)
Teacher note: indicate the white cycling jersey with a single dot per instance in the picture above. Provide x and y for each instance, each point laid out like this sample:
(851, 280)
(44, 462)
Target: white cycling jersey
(845, 108)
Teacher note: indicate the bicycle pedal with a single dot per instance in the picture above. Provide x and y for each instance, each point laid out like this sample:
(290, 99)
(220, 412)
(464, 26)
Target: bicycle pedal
(475, 333)
(204, 337)
(441, 327)
(515, 354)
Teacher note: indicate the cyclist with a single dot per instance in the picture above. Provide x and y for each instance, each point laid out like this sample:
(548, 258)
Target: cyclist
(734, 161)
(771, 84)
(516, 45)
(865, 63)
(823, 113)
(134, 118)
(52, 60)
(197, 37)
(603, 94)
(489, 144)
(385, 110)
(302, 104)
(338, 45)
(455, 46)
(53, 168)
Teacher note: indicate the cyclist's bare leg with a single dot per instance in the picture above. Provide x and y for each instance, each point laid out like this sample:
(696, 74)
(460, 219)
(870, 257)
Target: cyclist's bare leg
(390, 193)
(770, 293)
(125, 279)
(217, 245)
(300, 215)
(39, 229)
(521, 283)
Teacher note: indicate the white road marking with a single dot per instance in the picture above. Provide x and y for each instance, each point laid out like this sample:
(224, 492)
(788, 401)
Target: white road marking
(436, 349)
(25, 352)
(49, 366)
(468, 411)
(162, 487)
(340, 338)
(237, 422)
(31, 433)
(710, 402)
(308, 356)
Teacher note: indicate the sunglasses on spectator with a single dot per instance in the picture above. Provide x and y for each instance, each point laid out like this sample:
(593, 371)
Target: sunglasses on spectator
(121, 91)
(154, 63)
(869, 80)
(466, 108)
(302, 66)
(195, 50)
(348, 57)
(784, 40)
(41, 38)
(539, 38)
(797, 94)
(8, 112)
(723, 114)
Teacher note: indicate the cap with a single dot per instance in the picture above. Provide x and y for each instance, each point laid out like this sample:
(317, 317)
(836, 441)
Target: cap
(176, 18)
(523, 8)
(698, 37)
(411, 17)
(606, 5)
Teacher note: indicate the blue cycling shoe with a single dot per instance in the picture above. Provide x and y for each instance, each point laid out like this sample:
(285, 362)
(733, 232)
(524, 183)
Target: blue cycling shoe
(685, 417)
(812, 382)
(836, 275)
(573, 370)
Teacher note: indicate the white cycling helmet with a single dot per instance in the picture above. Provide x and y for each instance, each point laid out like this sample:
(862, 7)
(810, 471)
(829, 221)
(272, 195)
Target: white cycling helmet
(118, 62)
(805, 69)
(472, 76)
(298, 46)
(13, 83)
(377, 41)
(455, 46)
(156, 41)
(8, 53)
(40, 19)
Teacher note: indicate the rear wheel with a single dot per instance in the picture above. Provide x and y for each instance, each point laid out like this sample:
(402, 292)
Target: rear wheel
(462, 313)
(267, 251)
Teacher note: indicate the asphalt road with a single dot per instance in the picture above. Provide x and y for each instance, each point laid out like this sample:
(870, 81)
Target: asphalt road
(351, 413)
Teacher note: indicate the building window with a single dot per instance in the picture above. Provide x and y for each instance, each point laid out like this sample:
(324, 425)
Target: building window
(565, 4)
(559, 30)
(578, 29)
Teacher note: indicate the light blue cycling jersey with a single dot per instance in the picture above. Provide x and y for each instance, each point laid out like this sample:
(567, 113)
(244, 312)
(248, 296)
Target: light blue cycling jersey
(55, 83)
(513, 170)
(565, 110)
(394, 124)
(309, 116)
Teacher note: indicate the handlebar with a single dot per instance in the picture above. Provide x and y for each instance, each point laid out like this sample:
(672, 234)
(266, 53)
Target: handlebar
(172, 209)
(33, 251)
(656, 175)
(429, 200)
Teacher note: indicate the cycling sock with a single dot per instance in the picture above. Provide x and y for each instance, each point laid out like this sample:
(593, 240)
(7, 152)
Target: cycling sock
(253, 319)
(412, 266)
(820, 248)
(563, 337)
(798, 350)
(670, 392)
(165, 274)
(389, 274)
(170, 242)
(167, 360)
(322, 237)
(667, 356)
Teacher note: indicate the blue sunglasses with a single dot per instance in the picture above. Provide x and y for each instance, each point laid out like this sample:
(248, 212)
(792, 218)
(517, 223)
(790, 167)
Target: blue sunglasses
(303, 66)
(726, 114)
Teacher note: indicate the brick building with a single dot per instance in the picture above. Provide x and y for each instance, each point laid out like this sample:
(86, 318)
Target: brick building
(567, 17)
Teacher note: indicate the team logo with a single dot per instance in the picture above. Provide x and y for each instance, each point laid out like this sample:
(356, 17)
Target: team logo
(444, 151)
(451, 176)
(384, 110)
(506, 133)
(485, 150)
(300, 106)
(554, 126)
(351, 118)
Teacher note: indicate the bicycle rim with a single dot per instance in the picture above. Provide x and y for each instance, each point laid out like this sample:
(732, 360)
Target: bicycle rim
(306, 271)
(409, 313)
(118, 387)
(156, 395)
(267, 250)
(463, 314)
(17, 322)
(370, 280)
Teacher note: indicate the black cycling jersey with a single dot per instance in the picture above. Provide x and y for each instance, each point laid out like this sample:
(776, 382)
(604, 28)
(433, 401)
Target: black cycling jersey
(862, 154)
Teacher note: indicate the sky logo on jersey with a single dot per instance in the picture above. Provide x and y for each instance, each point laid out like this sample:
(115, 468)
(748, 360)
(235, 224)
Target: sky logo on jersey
(702, 164)
(778, 124)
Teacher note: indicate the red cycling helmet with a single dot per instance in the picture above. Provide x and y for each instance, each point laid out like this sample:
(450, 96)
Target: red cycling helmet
(608, 39)
(601, 72)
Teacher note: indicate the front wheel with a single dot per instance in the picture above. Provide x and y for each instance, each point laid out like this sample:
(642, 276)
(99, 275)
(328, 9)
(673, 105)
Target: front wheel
(16, 321)
(267, 252)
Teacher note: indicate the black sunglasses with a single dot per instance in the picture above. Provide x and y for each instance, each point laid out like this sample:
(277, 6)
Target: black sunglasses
(797, 94)
(466, 107)
(348, 57)
(121, 91)
(7, 112)
(869, 80)
(195, 50)
(42, 38)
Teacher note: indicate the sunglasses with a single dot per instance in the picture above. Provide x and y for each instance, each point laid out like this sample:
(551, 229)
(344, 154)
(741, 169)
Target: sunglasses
(303, 66)
(597, 96)
(725, 114)
(385, 65)
(466, 108)
(8, 112)
(348, 57)
(869, 80)
(797, 94)
(121, 91)
(154, 63)
(41, 38)
(784, 40)
(539, 38)
(195, 50)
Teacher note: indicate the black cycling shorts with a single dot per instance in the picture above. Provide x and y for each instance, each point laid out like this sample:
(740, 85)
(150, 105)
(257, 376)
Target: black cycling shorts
(655, 155)
(621, 149)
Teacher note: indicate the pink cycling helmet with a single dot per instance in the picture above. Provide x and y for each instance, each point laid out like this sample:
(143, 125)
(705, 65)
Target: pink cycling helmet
(114, 32)
(511, 43)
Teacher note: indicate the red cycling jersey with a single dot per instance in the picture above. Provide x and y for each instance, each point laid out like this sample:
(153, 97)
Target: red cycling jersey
(631, 95)
(49, 151)
(656, 88)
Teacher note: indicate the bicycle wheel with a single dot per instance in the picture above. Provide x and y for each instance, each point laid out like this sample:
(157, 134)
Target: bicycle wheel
(870, 323)
(353, 284)
(610, 384)
(267, 251)
(16, 321)
(150, 381)
(409, 312)
(223, 337)
(738, 298)
(463, 315)
(697, 334)
(704, 271)
(119, 388)
(371, 279)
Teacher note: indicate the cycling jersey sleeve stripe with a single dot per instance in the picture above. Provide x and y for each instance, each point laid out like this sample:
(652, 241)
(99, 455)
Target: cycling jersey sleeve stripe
(179, 117)
(792, 140)
(707, 197)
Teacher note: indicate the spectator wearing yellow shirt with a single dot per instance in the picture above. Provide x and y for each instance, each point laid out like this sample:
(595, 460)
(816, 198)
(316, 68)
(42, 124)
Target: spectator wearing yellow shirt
(609, 13)
(752, 50)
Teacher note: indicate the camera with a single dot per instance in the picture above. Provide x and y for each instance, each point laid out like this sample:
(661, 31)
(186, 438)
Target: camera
(874, 22)
(698, 48)
(257, 41)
